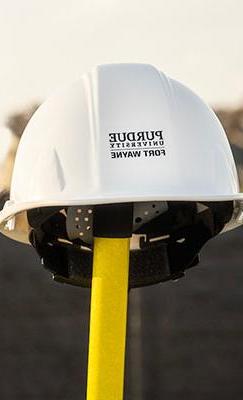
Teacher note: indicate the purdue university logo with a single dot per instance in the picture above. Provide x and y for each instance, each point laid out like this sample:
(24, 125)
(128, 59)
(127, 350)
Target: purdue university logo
(137, 144)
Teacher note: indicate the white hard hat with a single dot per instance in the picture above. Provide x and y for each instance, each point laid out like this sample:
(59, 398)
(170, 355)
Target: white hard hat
(125, 133)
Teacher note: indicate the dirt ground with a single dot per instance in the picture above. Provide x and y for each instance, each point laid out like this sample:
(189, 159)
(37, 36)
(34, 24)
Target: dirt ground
(185, 338)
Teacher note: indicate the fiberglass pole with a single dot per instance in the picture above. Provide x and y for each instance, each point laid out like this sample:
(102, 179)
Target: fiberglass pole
(108, 317)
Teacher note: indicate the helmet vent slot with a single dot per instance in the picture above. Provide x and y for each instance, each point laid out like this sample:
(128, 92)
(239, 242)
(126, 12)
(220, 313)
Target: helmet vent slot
(79, 223)
(145, 211)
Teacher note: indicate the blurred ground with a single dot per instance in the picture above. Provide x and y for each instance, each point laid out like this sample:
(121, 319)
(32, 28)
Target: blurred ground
(184, 338)
(192, 330)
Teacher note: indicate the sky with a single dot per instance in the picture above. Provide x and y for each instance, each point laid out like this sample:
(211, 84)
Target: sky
(45, 44)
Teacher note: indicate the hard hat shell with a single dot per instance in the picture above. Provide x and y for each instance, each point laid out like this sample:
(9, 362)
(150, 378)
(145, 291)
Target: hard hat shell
(124, 132)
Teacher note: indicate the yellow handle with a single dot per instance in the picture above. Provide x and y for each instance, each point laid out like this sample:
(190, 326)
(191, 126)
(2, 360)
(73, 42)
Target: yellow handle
(108, 316)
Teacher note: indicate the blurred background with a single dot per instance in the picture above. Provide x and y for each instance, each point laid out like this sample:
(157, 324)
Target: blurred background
(185, 338)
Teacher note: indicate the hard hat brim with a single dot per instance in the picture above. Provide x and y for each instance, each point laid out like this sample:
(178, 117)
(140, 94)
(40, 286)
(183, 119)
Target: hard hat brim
(13, 209)
(18, 210)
